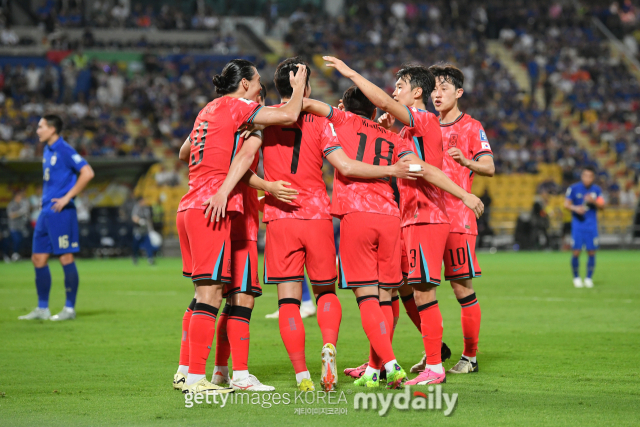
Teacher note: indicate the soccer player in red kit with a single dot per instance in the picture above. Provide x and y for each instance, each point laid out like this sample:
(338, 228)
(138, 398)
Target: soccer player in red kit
(300, 233)
(232, 337)
(205, 245)
(425, 224)
(467, 153)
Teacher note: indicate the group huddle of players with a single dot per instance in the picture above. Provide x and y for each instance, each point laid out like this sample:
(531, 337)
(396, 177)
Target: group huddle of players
(390, 249)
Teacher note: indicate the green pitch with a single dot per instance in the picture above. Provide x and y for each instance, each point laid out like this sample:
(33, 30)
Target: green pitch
(549, 354)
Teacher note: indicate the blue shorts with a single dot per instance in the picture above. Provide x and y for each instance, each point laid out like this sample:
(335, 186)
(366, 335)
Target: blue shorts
(56, 233)
(586, 237)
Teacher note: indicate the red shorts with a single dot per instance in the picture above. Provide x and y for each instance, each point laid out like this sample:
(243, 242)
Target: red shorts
(370, 251)
(244, 269)
(425, 245)
(459, 250)
(404, 262)
(205, 246)
(294, 243)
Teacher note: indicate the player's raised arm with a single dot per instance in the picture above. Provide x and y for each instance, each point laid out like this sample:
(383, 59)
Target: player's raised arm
(377, 96)
(288, 113)
(318, 108)
(483, 166)
(438, 178)
(356, 169)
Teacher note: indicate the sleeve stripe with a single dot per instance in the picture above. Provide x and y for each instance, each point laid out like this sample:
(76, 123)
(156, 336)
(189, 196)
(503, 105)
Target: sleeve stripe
(253, 116)
(404, 153)
(330, 112)
(412, 122)
(330, 150)
(482, 154)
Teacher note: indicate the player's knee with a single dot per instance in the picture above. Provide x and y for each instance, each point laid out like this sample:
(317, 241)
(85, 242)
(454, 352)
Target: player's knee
(576, 253)
(39, 260)
(66, 259)
(243, 299)
(591, 253)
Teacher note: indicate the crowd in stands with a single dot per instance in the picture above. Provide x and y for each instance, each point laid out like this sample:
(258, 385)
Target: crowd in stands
(554, 41)
(564, 48)
(112, 111)
(108, 111)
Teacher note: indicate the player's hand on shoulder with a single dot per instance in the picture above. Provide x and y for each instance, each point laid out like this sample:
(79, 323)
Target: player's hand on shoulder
(59, 204)
(402, 170)
(386, 120)
(456, 154)
(216, 206)
(474, 203)
(247, 129)
(281, 191)
(339, 65)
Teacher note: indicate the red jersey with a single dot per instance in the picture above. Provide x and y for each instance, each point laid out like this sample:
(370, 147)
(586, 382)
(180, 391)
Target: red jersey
(294, 154)
(422, 202)
(214, 143)
(468, 135)
(245, 226)
(365, 141)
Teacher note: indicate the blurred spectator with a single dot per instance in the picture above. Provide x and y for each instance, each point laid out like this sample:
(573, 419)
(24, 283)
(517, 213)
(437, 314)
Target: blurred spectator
(141, 216)
(18, 214)
(8, 37)
(166, 177)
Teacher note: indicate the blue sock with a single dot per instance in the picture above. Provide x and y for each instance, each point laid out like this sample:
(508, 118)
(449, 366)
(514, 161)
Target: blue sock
(575, 264)
(306, 296)
(71, 282)
(43, 286)
(591, 265)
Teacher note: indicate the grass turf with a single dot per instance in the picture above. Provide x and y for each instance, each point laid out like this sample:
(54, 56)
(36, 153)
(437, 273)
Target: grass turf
(549, 354)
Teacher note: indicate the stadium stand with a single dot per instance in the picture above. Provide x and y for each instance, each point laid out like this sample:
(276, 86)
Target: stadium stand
(547, 109)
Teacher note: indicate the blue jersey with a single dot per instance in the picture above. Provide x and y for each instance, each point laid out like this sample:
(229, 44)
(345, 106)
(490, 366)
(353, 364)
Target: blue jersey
(576, 193)
(60, 165)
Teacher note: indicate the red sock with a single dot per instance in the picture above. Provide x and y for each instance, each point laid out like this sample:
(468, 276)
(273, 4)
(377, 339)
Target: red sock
(292, 332)
(470, 316)
(184, 344)
(329, 316)
(431, 331)
(202, 329)
(374, 360)
(412, 310)
(223, 348)
(395, 306)
(376, 327)
(387, 310)
(238, 328)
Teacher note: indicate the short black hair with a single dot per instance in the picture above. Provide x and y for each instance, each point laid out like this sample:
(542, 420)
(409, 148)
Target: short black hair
(281, 77)
(232, 74)
(590, 169)
(418, 76)
(356, 102)
(449, 73)
(55, 121)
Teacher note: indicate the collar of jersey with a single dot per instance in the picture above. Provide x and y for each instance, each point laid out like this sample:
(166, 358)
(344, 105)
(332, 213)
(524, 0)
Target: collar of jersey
(453, 122)
(53, 146)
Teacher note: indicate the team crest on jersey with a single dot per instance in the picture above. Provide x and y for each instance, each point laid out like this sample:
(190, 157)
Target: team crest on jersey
(483, 136)
(54, 159)
(453, 140)
(76, 158)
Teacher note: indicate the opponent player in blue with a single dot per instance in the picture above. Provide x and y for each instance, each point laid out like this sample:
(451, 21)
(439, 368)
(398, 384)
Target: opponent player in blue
(65, 175)
(583, 200)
